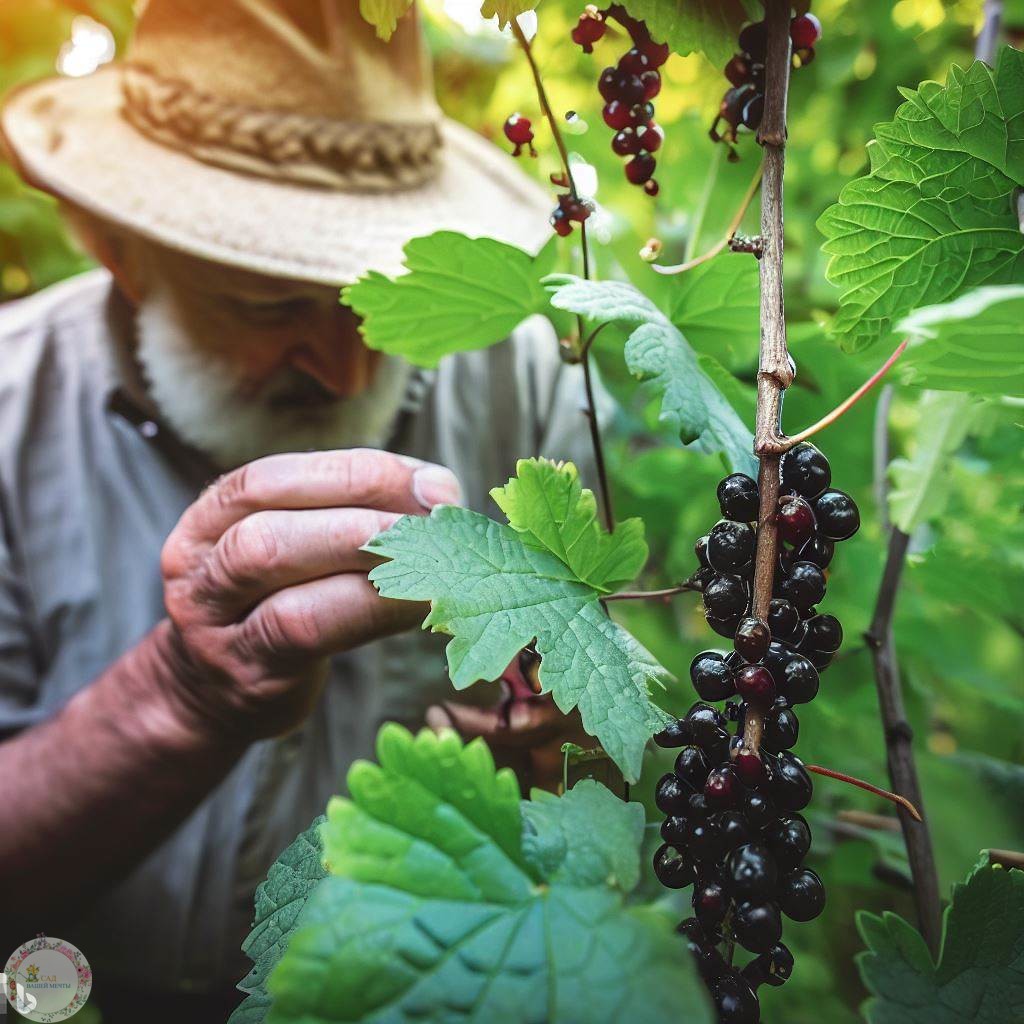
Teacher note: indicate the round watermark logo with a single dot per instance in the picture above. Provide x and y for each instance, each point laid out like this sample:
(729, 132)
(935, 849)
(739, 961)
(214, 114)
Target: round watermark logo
(47, 979)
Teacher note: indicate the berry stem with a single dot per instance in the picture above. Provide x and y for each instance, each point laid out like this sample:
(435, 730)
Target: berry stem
(588, 383)
(847, 404)
(651, 595)
(730, 231)
(775, 368)
(852, 780)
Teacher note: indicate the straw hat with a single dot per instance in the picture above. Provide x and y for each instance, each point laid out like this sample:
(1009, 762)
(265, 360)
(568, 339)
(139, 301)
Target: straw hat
(280, 136)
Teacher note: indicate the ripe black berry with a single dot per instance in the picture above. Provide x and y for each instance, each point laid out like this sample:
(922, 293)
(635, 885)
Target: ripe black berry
(755, 683)
(795, 520)
(723, 626)
(735, 1001)
(673, 868)
(805, 585)
(722, 788)
(726, 597)
(691, 768)
(837, 514)
(758, 809)
(802, 895)
(710, 904)
(752, 638)
(781, 730)
(737, 498)
(774, 967)
(711, 677)
(805, 471)
(783, 618)
(730, 546)
(733, 830)
(751, 871)
(675, 735)
(818, 550)
(790, 785)
(789, 839)
(799, 681)
(757, 926)
(754, 40)
(824, 634)
(671, 795)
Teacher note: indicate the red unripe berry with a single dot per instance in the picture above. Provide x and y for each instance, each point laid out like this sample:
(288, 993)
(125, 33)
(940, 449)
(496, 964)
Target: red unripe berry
(795, 520)
(722, 787)
(616, 115)
(652, 84)
(805, 31)
(755, 683)
(650, 137)
(633, 62)
(607, 84)
(517, 130)
(733, 102)
(749, 767)
(640, 168)
(626, 142)
(738, 70)
(587, 31)
(651, 187)
(561, 223)
(656, 53)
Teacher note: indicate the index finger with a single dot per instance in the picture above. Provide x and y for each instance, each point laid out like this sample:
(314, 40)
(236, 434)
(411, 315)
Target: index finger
(351, 477)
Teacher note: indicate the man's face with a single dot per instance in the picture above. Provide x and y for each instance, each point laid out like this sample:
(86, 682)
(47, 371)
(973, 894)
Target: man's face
(243, 365)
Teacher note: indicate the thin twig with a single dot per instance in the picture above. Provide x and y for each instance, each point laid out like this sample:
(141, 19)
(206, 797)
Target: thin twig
(847, 404)
(867, 820)
(852, 780)
(898, 743)
(588, 382)
(734, 224)
(651, 595)
(775, 369)
(880, 461)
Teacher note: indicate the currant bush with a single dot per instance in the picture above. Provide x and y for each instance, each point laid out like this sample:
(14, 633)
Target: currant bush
(733, 828)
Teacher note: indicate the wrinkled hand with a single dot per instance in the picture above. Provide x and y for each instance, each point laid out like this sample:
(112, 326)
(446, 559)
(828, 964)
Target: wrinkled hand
(525, 731)
(264, 579)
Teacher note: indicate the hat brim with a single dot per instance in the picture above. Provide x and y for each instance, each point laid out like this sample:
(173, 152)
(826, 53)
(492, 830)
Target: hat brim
(68, 137)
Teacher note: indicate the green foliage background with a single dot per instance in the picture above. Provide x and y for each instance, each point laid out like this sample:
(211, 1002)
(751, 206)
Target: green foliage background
(959, 624)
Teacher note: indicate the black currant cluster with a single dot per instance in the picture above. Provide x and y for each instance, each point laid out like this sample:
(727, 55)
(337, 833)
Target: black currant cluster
(743, 104)
(628, 89)
(733, 828)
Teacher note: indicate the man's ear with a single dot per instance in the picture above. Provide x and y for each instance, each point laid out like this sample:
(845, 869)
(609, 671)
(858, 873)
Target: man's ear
(114, 249)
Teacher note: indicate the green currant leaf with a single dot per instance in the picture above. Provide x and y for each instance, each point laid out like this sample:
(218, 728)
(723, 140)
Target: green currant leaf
(972, 344)
(921, 485)
(549, 505)
(979, 978)
(460, 293)
(708, 26)
(936, 215)
(692, 402)
(280, 900)
(383, 15)
(494, 589)
(451, 901)
(506, 10)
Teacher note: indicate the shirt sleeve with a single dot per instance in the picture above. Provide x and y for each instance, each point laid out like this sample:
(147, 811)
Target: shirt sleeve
(19, 675)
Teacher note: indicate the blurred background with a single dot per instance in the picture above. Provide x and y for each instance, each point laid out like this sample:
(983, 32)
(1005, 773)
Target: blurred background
(960, 618)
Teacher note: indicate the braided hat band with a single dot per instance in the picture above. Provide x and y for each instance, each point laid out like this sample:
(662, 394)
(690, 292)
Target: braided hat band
(285, 146)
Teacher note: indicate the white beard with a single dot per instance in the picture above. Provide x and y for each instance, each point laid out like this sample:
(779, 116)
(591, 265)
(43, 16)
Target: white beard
(200, 397)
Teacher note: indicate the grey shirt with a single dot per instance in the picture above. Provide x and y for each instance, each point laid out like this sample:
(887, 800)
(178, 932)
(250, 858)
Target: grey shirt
(90, 486)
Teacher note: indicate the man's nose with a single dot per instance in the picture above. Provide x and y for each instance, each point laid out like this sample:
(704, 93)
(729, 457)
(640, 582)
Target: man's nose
(334, 355)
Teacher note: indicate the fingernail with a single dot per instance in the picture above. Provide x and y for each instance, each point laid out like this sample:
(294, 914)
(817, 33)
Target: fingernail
(435, 485)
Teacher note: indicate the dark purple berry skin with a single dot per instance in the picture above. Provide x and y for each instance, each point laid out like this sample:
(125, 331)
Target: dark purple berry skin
(702, 840)
(735, 1001)
(700, 549)
(711, 677)
(730, 546)
(795, 520)
(673, 830)
(640, 168)
(775, 967)
(783, 619)
(789, 840)
(710, 904)
(691, 769)
(757, 926)
(805, 471)
(818, 550)
(616, 115)
(675, 735)
(671, 794)
(805, 585)
(752, 638)
(802, 895)
(753, 111)
(737, 498)
(799, 681)
(837, 514)
(673, 868)
(726, 597)
(754, 41)
(625, 143)
(758, 808)
(705, 723)
(634, 62)
(755, 683)
(738, 71)
(733, 829)
(820, 660)
(781, 730)
(723, 627)
(824, 634)
(749, 768)
(751, 871)
(790, 784)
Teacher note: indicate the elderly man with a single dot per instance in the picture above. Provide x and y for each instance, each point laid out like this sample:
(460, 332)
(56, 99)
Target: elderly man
(191, 651)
